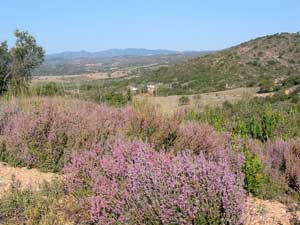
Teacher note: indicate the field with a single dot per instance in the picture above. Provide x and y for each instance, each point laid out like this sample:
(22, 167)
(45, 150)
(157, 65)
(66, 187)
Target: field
(171, 104)
(81, 77)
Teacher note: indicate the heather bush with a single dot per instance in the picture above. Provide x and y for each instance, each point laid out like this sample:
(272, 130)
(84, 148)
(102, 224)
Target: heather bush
(131, 183)
(149, 125)
(7, 111)
(45, 132)
(200, 138)
(280, 163)
(283, 160)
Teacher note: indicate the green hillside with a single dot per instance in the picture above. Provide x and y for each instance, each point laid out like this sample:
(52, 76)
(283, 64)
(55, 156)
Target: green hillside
(265, 62)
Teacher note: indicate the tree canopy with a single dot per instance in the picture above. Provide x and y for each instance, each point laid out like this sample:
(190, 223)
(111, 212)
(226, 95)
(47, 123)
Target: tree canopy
(17, 63)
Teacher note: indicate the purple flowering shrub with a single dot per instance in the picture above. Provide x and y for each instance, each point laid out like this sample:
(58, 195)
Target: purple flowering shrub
(282, 159)
(7, 111)
(149, 125)
(45, 133)
(281, 163)
(201, 138)
(131, 183)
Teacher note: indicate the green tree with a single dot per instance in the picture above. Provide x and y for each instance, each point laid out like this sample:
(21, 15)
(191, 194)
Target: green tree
(17, 64)
(253, 170)
(5, 60)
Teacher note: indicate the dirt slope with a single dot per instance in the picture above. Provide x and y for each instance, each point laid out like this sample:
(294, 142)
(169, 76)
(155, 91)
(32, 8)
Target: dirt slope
(27, 177)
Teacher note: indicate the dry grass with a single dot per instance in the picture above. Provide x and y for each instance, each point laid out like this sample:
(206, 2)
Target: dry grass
(170, 104)
(81, 77)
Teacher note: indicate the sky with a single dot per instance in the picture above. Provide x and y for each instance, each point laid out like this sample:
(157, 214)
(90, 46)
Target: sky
(94, 25)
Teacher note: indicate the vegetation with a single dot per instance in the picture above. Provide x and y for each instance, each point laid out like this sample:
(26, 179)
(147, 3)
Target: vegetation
(184, 100)
(132, 165)
(245, 65)
(25, 206)
(18, 62)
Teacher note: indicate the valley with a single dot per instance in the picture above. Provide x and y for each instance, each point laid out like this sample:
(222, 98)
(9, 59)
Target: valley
(148, 137)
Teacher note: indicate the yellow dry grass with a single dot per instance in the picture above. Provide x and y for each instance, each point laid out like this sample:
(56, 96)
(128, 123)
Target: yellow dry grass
(170, 104)
(81, 77)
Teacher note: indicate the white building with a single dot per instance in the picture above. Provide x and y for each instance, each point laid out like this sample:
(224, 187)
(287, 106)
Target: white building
(151, 88)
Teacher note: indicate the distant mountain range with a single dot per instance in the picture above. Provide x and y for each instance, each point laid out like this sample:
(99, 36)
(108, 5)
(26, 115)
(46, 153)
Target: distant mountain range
(116, 53)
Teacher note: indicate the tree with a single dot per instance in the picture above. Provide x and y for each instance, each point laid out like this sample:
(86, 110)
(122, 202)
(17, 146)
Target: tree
(17, 63)
(5, 60)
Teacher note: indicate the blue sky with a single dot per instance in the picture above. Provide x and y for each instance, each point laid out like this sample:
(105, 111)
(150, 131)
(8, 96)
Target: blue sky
(61, 25)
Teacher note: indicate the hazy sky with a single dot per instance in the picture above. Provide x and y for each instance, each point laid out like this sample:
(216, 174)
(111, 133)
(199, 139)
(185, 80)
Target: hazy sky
(93, 25)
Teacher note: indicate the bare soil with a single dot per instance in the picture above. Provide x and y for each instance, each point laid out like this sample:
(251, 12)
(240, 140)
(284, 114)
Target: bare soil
(27, 177)
(264, 212)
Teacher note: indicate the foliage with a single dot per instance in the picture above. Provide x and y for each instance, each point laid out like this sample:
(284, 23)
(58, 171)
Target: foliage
(149, 125)
(184, 100)
(47, 89)
(25, 206)
(253, 170)
(116, 99)
(239, 66)
(18, 62)
(44, 133)
(283, 159)
(261, 119)
(131, 183)
(5, 60)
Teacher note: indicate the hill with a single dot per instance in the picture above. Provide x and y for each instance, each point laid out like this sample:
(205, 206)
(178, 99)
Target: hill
(264, 62)
(70, 63)
(112, 53)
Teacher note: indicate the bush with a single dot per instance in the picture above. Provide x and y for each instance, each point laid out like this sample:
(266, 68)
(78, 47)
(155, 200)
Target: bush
(200, 138)
(131, 183)
(253, 170)
(283, 160)
(149, 125)
(184, 100)
(116, 99)
(47, 89)
(44, 133)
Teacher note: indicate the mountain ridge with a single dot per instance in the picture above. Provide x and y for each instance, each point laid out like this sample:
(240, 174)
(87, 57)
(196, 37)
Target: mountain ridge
(116, 53)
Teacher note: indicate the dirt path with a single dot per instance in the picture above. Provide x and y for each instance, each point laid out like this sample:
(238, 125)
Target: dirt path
(264, 212)
(260, 212)
(27, 177)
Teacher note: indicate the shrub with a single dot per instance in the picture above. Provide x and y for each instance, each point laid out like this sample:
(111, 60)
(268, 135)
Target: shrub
(116, 99)
(45, 132)
(47, 89)
(131, 183)
(149, 125)
(200, 138)
(283, 160)
(184, 100)
(253, 170)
